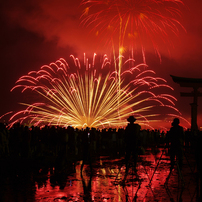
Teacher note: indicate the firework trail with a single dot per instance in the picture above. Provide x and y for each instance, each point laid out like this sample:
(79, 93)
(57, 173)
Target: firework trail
(84, 94)
(131, 24)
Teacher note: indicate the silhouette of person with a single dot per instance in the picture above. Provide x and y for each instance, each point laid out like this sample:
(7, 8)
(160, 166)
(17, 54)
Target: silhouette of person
(131, 138)
(86, 148)
(176, 139)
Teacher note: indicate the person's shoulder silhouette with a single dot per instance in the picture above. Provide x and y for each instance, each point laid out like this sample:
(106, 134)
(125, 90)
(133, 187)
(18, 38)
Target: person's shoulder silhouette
(132, 131)
(176, 132)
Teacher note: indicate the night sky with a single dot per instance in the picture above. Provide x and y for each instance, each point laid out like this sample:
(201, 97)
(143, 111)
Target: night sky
(35, 32)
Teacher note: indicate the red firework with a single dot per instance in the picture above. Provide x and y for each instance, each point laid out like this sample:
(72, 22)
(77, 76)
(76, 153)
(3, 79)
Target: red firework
(134, 23)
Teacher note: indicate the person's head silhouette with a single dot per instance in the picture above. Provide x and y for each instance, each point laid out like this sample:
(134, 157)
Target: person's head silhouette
(175, 122)
(131, 119)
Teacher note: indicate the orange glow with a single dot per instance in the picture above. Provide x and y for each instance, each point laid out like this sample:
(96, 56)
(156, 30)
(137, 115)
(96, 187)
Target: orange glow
(94, 98)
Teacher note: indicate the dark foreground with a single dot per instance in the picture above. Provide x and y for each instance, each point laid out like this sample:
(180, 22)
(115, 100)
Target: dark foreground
(60, 179)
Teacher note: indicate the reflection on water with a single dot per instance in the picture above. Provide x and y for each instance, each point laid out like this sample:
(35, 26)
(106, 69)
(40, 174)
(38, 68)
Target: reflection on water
(104, 184)
(64, 181)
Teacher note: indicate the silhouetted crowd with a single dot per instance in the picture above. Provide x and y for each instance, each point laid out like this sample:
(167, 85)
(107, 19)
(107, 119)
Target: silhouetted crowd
(22, 141)
(32, 146)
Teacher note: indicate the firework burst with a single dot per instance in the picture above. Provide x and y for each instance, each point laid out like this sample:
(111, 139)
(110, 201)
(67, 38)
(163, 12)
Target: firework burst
(131, 24)
(87, 95)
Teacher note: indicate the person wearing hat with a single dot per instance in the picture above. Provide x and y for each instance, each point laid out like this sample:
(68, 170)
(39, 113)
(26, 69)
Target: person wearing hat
(176, 139)
(131, 138)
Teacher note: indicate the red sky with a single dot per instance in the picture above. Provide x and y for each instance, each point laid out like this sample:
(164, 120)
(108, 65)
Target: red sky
(35, 32)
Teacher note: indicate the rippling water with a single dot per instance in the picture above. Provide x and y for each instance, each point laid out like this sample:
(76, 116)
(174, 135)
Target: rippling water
(63, 181)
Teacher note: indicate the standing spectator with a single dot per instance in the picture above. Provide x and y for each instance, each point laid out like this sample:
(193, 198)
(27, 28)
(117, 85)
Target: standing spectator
(71, 140)
(86, 140)
(15, 140)
(176, 139)
(121, 133)
(4, 140)
(25, 145)
(114, 141)
(131, 138)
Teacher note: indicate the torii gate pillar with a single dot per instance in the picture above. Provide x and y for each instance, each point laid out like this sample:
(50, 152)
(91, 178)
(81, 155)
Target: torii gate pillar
(195, 84)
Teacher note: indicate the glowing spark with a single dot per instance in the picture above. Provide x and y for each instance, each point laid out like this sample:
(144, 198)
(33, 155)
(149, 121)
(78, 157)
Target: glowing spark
(83, 94)
(134, 23)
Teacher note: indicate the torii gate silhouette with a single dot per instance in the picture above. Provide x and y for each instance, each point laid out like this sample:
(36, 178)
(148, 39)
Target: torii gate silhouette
(194, 83)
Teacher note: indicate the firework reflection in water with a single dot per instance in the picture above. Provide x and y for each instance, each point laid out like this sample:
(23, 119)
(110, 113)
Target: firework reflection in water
(88, 94)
